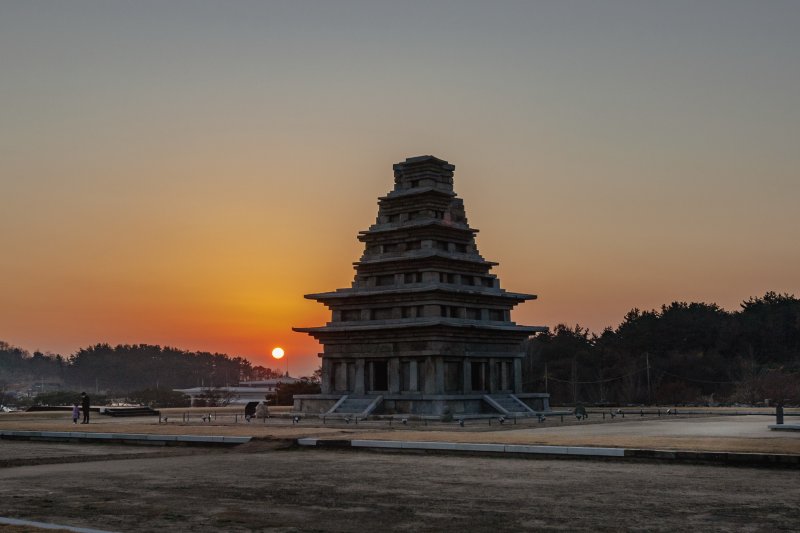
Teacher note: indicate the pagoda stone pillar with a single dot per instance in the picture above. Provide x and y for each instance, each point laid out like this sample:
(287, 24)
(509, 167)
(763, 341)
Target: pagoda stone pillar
(494, 378)
(429, 376)
(413, 383)
(358, 386)
(438, 375)
(517, 376)
(466, 384)
(339, 376)
(394, 375)
(326, 385)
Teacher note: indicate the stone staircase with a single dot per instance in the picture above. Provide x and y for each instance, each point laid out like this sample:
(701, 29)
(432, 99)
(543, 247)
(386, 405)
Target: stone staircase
(355, 406)
(508, 404)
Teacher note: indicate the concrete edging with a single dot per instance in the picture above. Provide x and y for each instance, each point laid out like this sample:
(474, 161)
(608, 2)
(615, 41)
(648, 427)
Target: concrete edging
(728, 458)
(514, 449)
(46, 525)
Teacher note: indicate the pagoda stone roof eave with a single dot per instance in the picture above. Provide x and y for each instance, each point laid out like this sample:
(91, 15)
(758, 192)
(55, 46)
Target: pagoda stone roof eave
(429, 263)
(400, 226)
(427, 158)
(416, 191)
(431, 323)
(348, 293)
(416, 255)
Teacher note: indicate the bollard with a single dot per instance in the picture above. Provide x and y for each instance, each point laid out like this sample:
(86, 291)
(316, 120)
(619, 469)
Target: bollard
(779, 414)
(604, 415)
(562, 418)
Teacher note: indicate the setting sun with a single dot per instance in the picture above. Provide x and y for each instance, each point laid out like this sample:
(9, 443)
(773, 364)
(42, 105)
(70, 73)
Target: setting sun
(277, 353)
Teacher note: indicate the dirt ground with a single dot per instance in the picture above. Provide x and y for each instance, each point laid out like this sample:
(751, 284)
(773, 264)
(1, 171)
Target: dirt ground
(261, 487)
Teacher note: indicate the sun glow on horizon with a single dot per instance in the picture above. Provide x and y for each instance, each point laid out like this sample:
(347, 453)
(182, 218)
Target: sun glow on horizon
(278, 352)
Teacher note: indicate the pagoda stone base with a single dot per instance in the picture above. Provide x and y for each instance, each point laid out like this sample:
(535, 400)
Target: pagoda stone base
(425, 405)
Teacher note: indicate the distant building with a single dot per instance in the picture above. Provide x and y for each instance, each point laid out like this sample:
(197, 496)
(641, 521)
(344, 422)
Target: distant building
(245, 391)
(425, 327)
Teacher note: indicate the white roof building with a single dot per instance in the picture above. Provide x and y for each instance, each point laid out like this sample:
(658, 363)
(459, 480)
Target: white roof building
(246, 391)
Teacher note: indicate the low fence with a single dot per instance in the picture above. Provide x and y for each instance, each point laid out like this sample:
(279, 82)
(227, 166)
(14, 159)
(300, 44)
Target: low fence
(555, 418)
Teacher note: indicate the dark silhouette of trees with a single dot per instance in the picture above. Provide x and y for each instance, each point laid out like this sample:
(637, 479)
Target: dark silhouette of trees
(141, 366)
(683, 353)
(16, 364)
(260, 373)
(124, 368)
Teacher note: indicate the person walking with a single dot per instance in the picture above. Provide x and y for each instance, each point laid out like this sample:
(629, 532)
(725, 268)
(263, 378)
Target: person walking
(85, 405)
(75, 413)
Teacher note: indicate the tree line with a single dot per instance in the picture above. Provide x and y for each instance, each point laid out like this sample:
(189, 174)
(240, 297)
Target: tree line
(684, 353)
(124, 368)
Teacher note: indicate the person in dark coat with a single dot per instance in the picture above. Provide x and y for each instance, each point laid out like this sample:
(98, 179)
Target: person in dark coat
(85, 404)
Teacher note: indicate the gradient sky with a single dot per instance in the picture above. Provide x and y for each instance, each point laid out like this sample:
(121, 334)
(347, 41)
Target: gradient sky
(182, 172)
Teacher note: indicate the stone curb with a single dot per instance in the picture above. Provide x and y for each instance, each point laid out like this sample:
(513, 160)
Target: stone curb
(127, 438)
(784, 427)
(515, 449)
(726, 458)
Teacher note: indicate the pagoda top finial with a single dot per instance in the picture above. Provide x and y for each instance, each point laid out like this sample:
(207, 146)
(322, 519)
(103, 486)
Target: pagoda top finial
(423, 171)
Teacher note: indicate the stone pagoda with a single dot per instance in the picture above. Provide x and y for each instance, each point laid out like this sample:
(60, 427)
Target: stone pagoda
(425, 328)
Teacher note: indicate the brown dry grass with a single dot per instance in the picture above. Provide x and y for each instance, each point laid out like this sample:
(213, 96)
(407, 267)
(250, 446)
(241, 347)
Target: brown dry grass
(629, 432)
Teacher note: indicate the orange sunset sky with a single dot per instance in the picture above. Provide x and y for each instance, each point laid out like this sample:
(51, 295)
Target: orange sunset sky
(181, 173)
